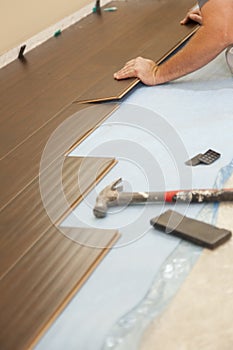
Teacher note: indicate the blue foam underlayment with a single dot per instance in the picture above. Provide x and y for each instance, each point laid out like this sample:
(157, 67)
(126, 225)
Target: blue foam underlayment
(127, 332)
(187, 117)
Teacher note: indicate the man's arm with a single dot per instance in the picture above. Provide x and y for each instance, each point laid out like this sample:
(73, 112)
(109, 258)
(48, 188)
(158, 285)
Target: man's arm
(215, 34)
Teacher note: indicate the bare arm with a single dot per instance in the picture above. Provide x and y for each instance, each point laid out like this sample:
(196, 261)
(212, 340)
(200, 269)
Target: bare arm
(215, 34)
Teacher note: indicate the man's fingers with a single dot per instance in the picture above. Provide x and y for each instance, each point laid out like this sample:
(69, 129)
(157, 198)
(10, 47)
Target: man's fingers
(125, 73)
(130, 63)
(184, 20)
(194, 15)
(196, 18)
(128, 71)
(141, 68)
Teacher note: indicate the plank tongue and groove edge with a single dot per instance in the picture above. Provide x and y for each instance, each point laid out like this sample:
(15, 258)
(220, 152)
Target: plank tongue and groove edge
(152, 30)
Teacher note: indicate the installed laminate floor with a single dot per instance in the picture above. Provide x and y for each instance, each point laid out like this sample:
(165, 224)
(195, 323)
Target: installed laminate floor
(38, 287)
(79, 64)
(27, 217)
(22, 165)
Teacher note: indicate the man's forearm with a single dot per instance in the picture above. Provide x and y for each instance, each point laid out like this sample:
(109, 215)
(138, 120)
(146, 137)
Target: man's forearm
(214, 35)
(199, 51)
(211, 38)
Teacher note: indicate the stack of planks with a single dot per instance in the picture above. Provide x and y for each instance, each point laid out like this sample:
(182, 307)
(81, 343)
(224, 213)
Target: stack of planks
(40, 267)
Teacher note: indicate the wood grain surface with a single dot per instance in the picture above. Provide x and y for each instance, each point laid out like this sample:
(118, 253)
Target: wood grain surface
(27, 218)
(35, 291)
(42, 267)
(79, 64)
(145, 28)
(22, 165)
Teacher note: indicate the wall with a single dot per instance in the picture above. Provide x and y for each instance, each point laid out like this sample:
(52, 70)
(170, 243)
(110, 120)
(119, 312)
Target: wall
(22, 19)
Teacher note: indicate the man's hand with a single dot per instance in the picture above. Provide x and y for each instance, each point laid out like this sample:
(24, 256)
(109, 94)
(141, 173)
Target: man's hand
(141, 68)
(194, 15)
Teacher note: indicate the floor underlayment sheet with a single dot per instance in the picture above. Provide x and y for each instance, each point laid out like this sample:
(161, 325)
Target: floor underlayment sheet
(152, 134)
(202, 309)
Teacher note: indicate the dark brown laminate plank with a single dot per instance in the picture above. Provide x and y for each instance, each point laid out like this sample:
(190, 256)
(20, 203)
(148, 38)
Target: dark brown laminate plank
(156, 36)
(22, 165)
(35, 291)
(62, 185)
(37, 112)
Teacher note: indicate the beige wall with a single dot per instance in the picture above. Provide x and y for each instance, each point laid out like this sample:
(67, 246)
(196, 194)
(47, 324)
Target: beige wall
(22, 19)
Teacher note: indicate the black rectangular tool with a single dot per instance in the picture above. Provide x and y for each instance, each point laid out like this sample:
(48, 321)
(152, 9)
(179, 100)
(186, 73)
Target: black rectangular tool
(189, 229)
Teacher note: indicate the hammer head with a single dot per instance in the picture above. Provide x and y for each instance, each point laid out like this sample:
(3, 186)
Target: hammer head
(106, 197)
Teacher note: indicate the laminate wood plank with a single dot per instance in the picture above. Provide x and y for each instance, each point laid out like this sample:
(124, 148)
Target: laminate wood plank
(66, 182)
(62, 186)
(38, 112)
(157, 35)
(22, 165)
(35, 291)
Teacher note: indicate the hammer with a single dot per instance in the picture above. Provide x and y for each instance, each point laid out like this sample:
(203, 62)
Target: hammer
(113, 195)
